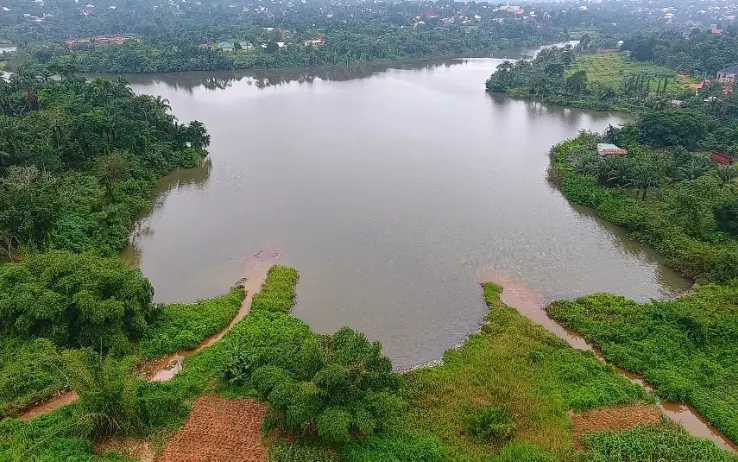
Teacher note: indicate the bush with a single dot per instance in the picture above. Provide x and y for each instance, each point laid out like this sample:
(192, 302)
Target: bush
(183, 326)
(75, 299)
(108, 396)
(334, 425)
(490, 424)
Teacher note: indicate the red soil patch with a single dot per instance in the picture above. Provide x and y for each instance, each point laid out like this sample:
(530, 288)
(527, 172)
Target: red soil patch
(219, 430)
(614, 418)
(56, 401)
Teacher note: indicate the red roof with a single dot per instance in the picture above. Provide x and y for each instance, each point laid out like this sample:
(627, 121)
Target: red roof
(721, 158)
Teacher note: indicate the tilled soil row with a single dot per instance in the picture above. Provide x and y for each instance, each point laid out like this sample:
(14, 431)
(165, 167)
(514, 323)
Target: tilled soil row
(219, 430)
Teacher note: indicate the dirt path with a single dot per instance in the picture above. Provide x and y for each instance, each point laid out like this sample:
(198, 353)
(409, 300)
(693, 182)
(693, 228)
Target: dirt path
(255, 269)
(56, 401)
(219, 430)
(530, 304)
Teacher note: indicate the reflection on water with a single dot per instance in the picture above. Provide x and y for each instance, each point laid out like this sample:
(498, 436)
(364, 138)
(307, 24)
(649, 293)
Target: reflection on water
(264, 78)
(387, 189)
(192, 178)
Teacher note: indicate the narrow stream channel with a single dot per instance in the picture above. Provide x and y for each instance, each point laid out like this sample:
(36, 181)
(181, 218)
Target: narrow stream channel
(531, 305)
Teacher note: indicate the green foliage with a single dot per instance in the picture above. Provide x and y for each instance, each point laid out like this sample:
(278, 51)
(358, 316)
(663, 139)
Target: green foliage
(675, 127)
(685, 347)
(394, 449)
(700, 52)
(489, 424)
(182, 326)
(604, 82)
(685, 221)
(108, 396)
(278, 295)
(297, 452)
(74, 299)
(30, 370)
(664, 441)
(480, 372)
(79, 159)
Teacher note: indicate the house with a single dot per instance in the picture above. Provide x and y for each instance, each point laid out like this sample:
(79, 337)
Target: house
(720, 158)
(727, 75)
(610, 150)
(699, 86)
(315, 42)
(225, 46)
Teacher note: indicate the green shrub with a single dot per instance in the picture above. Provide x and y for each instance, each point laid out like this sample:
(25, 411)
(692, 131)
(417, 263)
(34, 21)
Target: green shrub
(178, 327)
(334, 425)
(278, 295)
(74, 299)
(108, 396)
(685, 347)
(490, 424)
(30, 370)
(666, 442)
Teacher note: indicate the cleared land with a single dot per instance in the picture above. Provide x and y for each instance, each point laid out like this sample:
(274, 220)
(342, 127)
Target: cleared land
(613, 69)
(219, 429)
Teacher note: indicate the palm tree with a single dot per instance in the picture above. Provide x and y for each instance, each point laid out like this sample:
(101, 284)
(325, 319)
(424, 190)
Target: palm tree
(163, 103)
(123, 87)
(727, 173)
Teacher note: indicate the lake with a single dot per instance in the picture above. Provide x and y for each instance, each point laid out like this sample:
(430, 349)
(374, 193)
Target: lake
(394, 189)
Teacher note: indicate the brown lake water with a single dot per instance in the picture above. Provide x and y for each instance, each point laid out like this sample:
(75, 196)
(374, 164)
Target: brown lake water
(389, 187)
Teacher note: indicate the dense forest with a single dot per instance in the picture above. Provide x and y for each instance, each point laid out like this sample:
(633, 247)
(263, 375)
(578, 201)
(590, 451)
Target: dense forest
(698, 52)
(184, 36)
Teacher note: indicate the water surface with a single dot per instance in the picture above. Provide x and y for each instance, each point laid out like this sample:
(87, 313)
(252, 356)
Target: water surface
(389, 188)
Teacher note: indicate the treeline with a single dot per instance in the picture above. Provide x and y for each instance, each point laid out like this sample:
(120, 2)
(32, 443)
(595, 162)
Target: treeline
(167, 54)
(697, 52)
(78, 160)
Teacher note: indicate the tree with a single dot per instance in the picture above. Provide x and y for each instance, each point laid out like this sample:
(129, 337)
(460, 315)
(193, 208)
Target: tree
(74, 300)
(272, 47)
(727, 173)
(29, 206)
(577, 82)
(685, 127)
(337, 387)
(112, 170)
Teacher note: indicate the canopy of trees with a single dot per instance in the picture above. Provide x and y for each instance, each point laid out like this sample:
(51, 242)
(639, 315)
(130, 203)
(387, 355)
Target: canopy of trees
(76, 300)
(699, 52)
(77, 160)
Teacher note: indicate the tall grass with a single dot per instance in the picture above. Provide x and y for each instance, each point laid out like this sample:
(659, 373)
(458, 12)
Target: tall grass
(517, 366)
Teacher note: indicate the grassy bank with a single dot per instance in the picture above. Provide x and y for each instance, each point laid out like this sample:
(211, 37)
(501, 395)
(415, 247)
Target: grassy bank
(686, 347)
(182, 326)
(612, 70)
(517, 366)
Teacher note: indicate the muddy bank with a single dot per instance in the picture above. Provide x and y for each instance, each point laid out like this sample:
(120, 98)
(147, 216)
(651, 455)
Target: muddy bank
(531, 305)
(255, 268)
